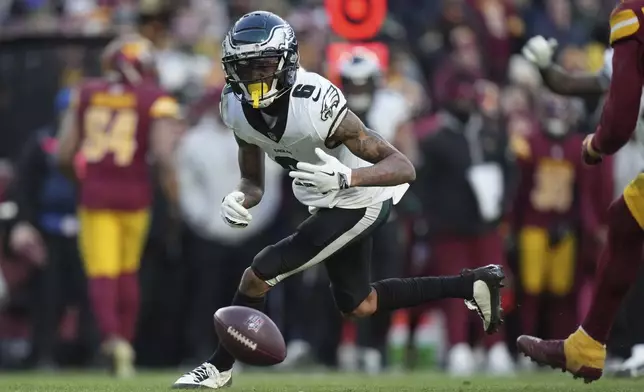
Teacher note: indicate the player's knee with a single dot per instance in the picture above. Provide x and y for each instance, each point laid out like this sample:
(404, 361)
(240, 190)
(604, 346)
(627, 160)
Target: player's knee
(252, 285)
(367, 307)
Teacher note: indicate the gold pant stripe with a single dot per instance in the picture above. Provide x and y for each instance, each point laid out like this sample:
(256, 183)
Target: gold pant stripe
(634, 198)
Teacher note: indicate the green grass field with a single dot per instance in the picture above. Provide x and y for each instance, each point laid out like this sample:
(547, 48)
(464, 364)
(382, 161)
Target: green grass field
(314, 382)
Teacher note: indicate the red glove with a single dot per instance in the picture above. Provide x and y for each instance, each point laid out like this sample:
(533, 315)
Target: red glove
(588, 153)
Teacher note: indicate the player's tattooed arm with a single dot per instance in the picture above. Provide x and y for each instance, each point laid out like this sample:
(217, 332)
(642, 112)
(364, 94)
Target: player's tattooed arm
(390, 166)
(563, 82)
(251, 166)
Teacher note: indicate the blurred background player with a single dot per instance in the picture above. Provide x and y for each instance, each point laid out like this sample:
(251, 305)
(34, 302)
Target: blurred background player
(386, 110)
(114, 122)
(584, 353)
(552, 202)
(465, 184)
(46, 232)
(627, 339)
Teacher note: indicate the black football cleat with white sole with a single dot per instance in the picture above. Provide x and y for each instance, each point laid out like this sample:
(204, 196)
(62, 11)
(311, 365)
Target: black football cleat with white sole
(486, 299)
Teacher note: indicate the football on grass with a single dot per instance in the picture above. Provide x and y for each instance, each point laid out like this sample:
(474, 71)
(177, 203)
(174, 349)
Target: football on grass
(250, 336)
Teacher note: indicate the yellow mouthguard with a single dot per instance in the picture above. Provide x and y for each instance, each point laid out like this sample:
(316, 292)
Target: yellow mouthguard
(256, 90)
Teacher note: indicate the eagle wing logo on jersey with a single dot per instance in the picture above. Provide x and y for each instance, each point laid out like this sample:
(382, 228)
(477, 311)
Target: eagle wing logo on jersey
(330, 101)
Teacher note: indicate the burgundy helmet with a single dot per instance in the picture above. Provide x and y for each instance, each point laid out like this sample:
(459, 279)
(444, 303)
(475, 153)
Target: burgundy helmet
(130, 59)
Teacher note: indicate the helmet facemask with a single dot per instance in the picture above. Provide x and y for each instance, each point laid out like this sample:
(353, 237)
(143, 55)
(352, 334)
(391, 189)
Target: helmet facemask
(259, 80)
(260, 58)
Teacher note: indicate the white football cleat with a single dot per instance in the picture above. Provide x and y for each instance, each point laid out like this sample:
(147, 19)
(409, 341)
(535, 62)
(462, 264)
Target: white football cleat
(121, 356)
(205, 375)
(486, 300)
(348, 357)
(371, 361)
(500, 362)
(461, 361)
(633, 367)
(299, 354)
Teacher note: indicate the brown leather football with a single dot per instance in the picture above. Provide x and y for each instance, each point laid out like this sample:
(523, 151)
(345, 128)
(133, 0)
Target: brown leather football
(250, 336)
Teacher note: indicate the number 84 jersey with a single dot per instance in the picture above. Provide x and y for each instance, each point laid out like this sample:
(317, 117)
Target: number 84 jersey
(553, 187)
(114, 121)
(315, 110)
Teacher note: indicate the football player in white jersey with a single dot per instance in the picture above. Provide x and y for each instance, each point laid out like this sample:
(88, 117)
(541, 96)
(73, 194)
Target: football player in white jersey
(346, 174)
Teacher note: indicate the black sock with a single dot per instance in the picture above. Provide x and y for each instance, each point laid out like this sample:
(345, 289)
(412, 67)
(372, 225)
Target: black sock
(409, 292)
(221, 358)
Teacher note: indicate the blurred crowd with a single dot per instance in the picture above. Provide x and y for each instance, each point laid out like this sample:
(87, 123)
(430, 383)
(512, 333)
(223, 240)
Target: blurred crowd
(497, 156)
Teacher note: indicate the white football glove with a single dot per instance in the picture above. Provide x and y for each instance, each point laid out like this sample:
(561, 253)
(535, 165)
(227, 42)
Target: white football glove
(233, 212)
(539, 51)
(330, 175)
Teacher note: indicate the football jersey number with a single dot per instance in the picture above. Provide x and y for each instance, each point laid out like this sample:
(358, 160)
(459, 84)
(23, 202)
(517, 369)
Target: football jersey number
(303, 91)
(553, 187)
(110, 131)
(287, 163)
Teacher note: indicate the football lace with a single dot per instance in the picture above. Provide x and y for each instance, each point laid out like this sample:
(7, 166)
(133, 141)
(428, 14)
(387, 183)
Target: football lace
(201, 373)
(241, 338)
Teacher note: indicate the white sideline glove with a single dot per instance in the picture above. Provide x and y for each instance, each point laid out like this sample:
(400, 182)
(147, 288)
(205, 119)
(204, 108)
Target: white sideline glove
(233, 212)
(331, 175)
(539, 51)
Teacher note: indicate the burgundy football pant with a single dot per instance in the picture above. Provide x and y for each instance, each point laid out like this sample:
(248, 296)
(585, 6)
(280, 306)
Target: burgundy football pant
(617, 270)
(449, 255)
